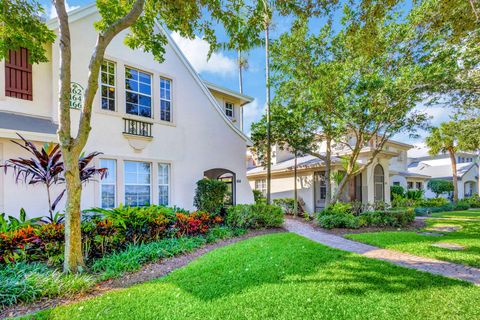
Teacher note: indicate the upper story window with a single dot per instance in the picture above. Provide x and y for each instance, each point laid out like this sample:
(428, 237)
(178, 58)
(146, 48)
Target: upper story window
(229, 109)
(138, 92)
(107, 83)
(165, 99)
(18, 75)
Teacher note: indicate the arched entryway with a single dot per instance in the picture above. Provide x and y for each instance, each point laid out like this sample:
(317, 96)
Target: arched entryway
(226, 176)
(469, 188)
(379, 183)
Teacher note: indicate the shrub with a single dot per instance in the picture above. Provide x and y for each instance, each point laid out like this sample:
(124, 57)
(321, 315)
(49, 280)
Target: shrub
(434, 202)
(389, 218)
(258, 197)
(337, 215)
(24, 282)
(462, 205)
(439, 186)
(287, 204)
(414, 194)
(210, 195)
(399, 202)
(194, 223)
(254, 216)
(346, 220)
(397, 190)
(474, 201)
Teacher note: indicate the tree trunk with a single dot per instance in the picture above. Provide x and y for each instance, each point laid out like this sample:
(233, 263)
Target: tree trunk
(73, 238)
(240, 67)
(451, 152)
(267, 81)
(328, 170)
(295, 190)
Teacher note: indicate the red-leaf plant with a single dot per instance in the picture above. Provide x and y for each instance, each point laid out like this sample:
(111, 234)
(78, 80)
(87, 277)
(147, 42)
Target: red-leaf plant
(46, 167)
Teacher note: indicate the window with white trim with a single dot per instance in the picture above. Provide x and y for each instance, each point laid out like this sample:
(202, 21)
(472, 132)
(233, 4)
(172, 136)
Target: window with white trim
(165, 99)
(108, 186)
(107, 85)
(163, 183)
(138, 92)
(229, 109)
(137, 183)
(261, 185)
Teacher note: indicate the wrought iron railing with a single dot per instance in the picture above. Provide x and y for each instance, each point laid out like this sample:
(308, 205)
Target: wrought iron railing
(137, 128)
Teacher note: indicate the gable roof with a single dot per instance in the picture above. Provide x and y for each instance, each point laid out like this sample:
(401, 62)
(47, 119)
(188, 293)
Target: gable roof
(440, 171)
(90, 9)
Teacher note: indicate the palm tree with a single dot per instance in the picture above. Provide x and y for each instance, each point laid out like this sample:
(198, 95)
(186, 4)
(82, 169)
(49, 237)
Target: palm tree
(445, 139)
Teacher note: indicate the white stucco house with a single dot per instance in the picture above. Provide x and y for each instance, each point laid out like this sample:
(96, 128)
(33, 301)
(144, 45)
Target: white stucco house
(397, 164)
(159, 126)
(369, 186)
(440, 167)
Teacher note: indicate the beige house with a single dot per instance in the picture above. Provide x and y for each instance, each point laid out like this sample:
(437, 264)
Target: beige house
(159, 126)
(373, 184)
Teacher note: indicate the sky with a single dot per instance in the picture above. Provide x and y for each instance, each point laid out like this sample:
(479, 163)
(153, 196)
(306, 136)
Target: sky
(221, 69)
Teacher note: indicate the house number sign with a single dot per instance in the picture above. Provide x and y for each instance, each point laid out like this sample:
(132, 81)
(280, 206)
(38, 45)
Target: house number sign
(76, 96)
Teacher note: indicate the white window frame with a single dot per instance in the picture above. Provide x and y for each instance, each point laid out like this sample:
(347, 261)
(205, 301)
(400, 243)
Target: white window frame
(228, 106)
(138, 92)
(125, 184)
(108, 85)
(104, 183)
(163, 184)
(164, 91)
(261, 185)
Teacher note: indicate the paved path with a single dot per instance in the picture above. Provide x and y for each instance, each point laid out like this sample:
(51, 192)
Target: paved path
(443, 268)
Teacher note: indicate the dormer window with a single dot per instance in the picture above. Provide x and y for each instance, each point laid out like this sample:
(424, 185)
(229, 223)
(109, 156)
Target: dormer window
(18, 75)
(229, 109)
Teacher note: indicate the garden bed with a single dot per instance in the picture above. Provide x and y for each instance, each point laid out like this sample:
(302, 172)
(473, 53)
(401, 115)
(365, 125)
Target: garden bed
(148, 272)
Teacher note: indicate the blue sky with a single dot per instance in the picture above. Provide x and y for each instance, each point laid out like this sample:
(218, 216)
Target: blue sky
(221, 69)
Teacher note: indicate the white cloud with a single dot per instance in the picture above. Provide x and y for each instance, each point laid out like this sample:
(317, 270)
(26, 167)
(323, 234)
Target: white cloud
(52, 13)
(252, 112)
(196, 51)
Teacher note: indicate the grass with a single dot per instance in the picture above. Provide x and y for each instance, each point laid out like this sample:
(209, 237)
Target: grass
(465, 214)
(421, 245)
(283, 276)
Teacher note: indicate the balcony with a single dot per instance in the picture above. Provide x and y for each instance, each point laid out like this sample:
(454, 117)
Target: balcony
(138, 133)
(137, 128)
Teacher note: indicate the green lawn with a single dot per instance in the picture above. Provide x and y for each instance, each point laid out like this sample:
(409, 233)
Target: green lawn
(465, 214)
(284, 276)
(421, 245)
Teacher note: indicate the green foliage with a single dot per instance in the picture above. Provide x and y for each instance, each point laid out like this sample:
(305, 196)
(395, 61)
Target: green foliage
(439, 186)
(11, 223)
(134, 256)
(434, 202)
(28, 282)
(252, 275)
(340, 215)
(287, 204)
(210, 195)
(254, 216)
(462, 205)
(397, 191)
(414, 194)
(474, 201)
(258, 197)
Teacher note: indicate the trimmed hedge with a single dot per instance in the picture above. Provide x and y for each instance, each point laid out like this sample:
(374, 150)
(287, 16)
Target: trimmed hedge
(254, 216)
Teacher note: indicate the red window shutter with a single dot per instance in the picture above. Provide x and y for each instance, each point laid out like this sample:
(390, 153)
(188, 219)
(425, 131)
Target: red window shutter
(18, 75)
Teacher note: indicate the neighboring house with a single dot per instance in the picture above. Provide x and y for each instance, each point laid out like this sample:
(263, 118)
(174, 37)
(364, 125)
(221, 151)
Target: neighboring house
(369, 186)
(440, 167)
(159, 126)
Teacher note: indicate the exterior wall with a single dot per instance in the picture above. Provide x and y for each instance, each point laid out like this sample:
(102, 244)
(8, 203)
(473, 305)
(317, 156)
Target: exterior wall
(198, 138)
(237, 118)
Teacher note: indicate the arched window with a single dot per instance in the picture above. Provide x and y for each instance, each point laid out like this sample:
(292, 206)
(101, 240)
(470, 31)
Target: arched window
(379, 183)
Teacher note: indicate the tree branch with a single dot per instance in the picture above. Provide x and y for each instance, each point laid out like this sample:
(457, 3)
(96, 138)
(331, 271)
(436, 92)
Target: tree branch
(103, 40)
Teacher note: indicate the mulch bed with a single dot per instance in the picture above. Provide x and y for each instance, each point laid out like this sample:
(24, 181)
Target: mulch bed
(148, 272)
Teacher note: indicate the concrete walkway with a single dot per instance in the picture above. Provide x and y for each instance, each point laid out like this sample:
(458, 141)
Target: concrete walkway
(443, 268)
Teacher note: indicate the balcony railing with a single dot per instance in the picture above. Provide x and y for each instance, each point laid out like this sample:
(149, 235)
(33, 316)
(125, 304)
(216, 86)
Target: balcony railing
(137, 128)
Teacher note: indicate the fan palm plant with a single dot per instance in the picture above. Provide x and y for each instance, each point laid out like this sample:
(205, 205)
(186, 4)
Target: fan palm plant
(46, 167)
